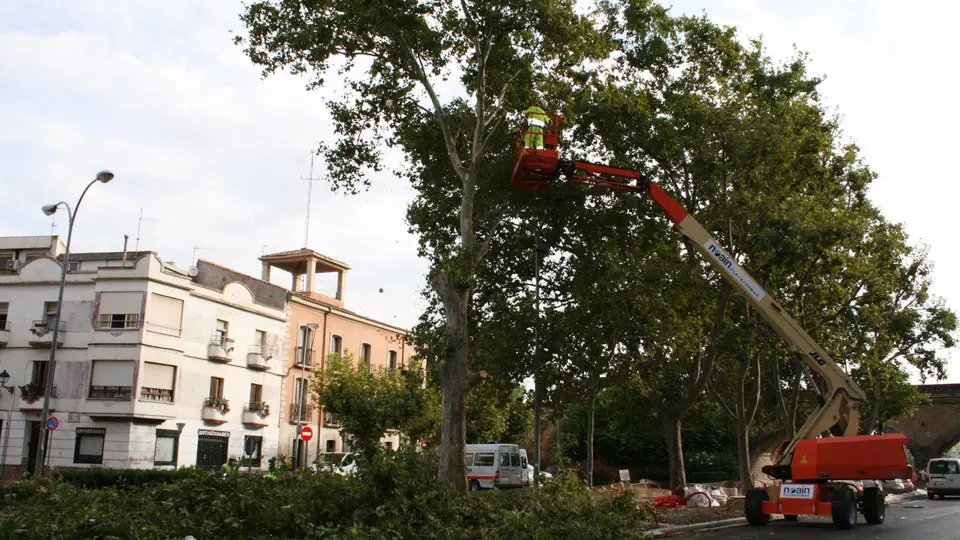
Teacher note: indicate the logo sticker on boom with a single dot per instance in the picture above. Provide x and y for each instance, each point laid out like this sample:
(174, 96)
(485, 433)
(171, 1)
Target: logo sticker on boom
(796, 491)
(733, 269)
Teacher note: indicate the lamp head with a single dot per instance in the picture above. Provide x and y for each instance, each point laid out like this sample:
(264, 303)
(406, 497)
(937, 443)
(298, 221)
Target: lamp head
(49, 209)
(4, 377)
(104, 176)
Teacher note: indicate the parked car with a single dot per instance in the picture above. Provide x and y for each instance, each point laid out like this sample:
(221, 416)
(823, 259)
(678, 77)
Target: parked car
(944, 474)
(346, 467)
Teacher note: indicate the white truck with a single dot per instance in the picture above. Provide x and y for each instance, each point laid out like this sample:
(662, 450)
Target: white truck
(494, 465)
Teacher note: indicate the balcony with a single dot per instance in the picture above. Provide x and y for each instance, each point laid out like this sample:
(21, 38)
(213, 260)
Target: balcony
(215, 410)
(112, 393)
(295, 412)
(220, 349)
(31, 397)
(42, 333)
(304, 358)
(4, 333)
(256, 358)
(255, 414)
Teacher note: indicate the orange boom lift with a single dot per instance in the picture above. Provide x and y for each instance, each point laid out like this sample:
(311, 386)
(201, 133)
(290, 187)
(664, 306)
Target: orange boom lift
(819, 472)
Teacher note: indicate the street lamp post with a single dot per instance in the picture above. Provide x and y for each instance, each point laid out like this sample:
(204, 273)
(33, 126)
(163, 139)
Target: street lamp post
(308, 352)
(4, 377)
(50, 209)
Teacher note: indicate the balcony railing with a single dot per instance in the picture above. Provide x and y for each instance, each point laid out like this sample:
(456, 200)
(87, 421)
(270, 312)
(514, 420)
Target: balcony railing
(4, 333)
(129, 321)
(295, 412)
(43, 333)
(304, 357)
(116, 393)
(31, 395)
(163, 395)
(220, 349)
(256, 358)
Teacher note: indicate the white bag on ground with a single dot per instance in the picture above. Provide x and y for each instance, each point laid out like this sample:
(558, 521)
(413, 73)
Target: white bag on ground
(702, 499)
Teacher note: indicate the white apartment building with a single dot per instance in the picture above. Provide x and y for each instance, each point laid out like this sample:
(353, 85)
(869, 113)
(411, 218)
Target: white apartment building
(156, 366)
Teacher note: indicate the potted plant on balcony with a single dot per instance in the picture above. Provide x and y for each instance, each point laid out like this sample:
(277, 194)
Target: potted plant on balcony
(220, 404)
(262, 408)
(31, 392)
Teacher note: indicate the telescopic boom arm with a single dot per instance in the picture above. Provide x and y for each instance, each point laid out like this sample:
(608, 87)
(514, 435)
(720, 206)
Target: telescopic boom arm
(838, 412)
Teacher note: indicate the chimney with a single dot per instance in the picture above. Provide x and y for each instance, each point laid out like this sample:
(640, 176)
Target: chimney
(123, 261)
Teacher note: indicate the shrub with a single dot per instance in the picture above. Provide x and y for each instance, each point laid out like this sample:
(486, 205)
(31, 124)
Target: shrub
(101, 478)
(395, 497)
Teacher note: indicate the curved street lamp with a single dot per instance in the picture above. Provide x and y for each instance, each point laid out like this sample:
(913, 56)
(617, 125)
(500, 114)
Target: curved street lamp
(50, 209)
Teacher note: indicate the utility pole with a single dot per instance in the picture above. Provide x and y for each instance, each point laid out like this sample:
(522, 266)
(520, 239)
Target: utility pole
(536, 358)
(310, 180)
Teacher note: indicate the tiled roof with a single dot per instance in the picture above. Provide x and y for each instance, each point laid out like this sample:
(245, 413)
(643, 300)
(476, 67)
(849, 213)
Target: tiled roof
(303, 251)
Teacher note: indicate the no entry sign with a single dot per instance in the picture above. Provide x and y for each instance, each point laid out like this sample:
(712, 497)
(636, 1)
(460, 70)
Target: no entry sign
(306, 433)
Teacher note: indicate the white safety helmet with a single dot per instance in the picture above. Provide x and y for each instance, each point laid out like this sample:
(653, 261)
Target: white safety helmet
(543, 102)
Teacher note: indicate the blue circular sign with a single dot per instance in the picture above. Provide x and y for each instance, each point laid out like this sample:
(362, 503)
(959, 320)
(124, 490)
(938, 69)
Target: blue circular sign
(52, 423)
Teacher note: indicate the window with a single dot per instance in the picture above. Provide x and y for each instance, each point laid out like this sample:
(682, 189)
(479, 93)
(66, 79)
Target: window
(484, 460)
(944, 467)
(73, 266)
(392, 361)
(89, 445)
(119, 310)
(330, 419)
(112, 379)
(256, 393)
(304, 342)
(365, 355)
(4, 310)
(260, 342)
(39, 376)
(223, 328)
(216, 387)
(167, 448)
(118, 321)
(50, 314)
(252, 448)
(504, 459)
(336, 344)
(331, 446)
(158, 382)
(164, 314)
(514, 460)
(469, 460)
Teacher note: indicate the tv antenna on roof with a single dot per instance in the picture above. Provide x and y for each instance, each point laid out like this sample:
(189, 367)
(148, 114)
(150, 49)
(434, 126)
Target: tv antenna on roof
(310, 180)
(140, 221)
(193, 262)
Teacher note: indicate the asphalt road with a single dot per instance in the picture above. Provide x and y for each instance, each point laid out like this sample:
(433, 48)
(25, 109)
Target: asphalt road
(920, 519)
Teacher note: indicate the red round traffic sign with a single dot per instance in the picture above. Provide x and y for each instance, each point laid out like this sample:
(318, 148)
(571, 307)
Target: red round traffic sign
(306, 433)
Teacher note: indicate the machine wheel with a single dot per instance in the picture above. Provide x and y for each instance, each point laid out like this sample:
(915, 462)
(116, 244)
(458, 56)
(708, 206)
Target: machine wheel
(874, 506)
(844, 508)
(787, 517)
(475, 486)
(753, 505)
(941, 497)
(930, 495)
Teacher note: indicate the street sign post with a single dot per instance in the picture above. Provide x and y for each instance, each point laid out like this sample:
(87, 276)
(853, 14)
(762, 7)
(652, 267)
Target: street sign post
(52, 423)
(306, 433)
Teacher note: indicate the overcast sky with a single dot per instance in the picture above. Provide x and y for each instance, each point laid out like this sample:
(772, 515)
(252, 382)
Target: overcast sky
(214, 155)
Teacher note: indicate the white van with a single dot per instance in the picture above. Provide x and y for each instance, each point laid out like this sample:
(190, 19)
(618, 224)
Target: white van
(526, 470)
(495, 465)
(943, 477)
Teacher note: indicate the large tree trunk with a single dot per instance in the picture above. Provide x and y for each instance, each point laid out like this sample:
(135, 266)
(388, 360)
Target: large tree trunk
(590, 427)
(672, 434)
(455, 383)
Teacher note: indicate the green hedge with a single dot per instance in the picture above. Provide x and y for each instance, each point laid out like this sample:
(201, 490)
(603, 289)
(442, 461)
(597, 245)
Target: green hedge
(396, 497)
(101, 478)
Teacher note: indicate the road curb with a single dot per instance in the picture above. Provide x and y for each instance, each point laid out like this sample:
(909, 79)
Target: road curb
(670, 530)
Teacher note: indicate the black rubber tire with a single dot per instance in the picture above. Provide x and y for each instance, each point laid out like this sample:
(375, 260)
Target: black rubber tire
(941, 497)
(475, 486)
(930, 496)
(843, 508)
(787, 517)
(874, 506)
(753, 507)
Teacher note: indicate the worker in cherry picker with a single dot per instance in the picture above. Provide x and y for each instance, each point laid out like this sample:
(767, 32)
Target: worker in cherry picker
(536, 121)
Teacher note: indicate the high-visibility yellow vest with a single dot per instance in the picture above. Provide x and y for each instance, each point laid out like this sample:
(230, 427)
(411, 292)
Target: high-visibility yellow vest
(536, 117)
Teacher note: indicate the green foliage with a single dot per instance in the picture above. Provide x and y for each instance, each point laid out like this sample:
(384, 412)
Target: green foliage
(395, 497)
(499, 414)
(126, 478)
(368, 403)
